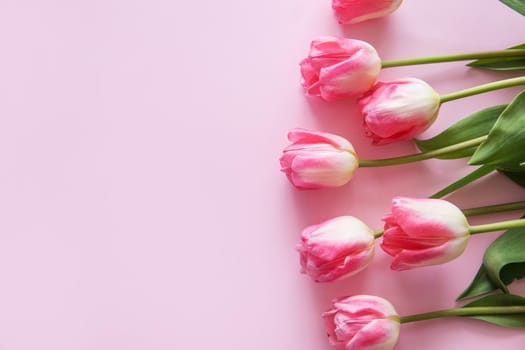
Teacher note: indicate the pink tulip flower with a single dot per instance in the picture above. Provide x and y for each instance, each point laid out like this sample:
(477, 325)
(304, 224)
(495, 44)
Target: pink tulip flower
(339, 68)
(362, 322)
(398, 110)
(318, 160)
(422, 232)
(335, 249)
(355, 11)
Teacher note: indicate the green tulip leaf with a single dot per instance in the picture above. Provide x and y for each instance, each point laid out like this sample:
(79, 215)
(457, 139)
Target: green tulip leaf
(515, 320)
(467, 179)
(504, 259)
(516, 5)
(505, 145)
(501, 63)
(471, 127)
(481, 284)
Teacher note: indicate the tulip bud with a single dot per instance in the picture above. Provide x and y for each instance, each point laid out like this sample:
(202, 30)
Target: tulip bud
(318, 159)
(335, 249)
(355, 11)
(422, 232)
(339, 67)
(398, 110)
(362, 322)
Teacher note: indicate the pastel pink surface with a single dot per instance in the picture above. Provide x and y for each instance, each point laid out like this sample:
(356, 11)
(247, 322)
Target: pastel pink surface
(141, 201)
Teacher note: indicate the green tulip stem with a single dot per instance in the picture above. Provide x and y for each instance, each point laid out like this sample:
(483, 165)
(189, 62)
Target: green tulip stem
(454, 57)
(465, 311)
(497, 226)
(378, 233)
(423, 155)
(496, 85)
(494, 208)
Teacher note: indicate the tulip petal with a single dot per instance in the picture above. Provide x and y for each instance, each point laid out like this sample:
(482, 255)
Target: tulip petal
(408, 259)
(380, 334)
(361, 305)
(421, 232)
(323, 170)
(399, 109)
(336, 248)
(429, 218)
(351, 265)
(300, 136)
(342, 79)
(339, 68)
(355, 11)
(362, 322)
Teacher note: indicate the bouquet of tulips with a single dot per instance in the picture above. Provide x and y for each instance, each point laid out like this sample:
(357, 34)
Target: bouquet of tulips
(417, 232)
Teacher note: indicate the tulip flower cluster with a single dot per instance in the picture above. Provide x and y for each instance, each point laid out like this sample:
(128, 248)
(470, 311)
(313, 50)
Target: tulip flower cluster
(396, 110)
(417, 232)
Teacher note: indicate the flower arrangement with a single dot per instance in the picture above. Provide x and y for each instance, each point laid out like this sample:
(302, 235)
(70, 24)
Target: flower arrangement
(418, 232)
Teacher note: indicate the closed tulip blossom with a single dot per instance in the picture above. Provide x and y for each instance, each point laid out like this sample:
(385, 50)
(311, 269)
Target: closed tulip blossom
(355, 11)
(318, 160)
(335, 249)
(339, 68)
(398, 110)
(422, 232)
(362, 322)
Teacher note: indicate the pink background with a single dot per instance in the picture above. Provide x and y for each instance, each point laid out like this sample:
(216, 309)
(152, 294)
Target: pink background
(141, 203)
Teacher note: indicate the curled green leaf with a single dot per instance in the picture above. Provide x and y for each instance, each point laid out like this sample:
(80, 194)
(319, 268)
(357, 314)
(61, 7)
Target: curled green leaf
(481, 284)
(503, 262)
(504, 259)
